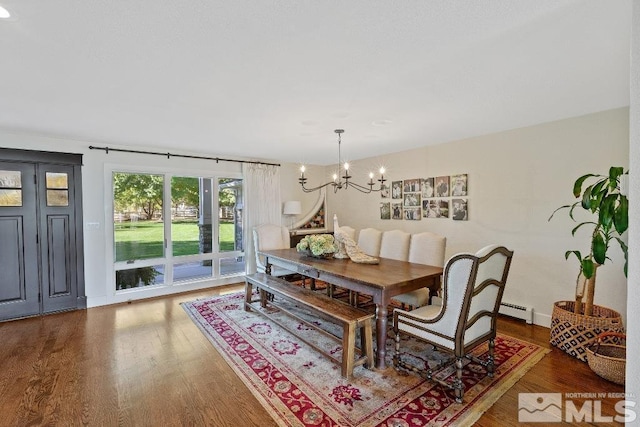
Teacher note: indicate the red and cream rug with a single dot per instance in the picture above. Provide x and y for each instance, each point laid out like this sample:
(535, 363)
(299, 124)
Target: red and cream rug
(301, 387)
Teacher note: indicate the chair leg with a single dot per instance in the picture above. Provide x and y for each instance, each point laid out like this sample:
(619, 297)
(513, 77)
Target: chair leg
(396, 354)
(490, 359)
(458, 387)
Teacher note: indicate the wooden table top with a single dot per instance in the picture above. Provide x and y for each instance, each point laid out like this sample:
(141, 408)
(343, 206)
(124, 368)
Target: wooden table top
(388, 274)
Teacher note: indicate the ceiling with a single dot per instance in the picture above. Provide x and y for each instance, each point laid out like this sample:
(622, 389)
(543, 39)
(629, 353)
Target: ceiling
(271, 79)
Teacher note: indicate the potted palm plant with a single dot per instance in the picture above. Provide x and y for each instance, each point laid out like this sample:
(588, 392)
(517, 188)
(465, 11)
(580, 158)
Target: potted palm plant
(574, 324)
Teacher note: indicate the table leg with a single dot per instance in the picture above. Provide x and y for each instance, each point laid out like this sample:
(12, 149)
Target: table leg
(381, 335)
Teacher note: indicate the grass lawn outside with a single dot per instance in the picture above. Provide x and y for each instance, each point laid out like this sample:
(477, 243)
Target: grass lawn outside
(144, 239)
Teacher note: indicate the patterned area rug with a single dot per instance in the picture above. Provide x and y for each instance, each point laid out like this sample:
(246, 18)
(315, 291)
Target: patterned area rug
(301, 387)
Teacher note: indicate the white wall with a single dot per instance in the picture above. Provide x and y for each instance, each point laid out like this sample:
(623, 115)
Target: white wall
(516, 179)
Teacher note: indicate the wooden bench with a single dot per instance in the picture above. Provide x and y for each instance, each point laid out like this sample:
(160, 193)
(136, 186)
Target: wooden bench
(349, 317)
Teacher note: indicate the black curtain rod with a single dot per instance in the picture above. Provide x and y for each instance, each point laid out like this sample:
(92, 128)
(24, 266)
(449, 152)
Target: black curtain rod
(169, 155)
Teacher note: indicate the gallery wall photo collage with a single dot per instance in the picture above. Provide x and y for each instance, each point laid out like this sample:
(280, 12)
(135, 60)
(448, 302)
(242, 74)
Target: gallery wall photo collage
(435, 197)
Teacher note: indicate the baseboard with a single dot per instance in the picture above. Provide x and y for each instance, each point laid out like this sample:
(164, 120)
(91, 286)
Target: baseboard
(542, 319)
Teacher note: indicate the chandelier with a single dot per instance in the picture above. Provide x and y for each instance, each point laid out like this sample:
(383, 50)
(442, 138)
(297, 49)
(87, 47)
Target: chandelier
(343, 181)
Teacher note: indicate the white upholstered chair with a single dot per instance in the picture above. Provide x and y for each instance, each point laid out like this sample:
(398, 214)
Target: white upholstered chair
(395, 245)
(425, 248)
(267, 237)
(369, 241)
(472, 292)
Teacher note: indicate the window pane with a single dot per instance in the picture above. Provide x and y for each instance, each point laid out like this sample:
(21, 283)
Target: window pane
(10, 179)
(230, 232)
(57, 180)
(191, 215)
(57, 197)
(231, 265)
(139, 277)
(192, 270)
(137, 216)
(10, 197)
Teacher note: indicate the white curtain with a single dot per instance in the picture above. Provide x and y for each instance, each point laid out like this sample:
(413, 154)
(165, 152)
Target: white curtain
(262, 203)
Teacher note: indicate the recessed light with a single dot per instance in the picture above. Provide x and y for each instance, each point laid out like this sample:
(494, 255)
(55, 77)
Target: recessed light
(4, 13)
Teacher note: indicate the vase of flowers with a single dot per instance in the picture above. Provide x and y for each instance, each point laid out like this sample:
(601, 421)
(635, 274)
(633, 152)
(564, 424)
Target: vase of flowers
(317, 245)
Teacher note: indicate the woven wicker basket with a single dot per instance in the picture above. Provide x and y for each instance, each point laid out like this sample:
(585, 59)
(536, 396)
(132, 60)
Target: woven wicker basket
(573, 333)
(608, 360)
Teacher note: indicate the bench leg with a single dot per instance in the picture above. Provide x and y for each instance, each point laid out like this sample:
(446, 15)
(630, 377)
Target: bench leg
(366, 343)
(248, 290)
(263, 298)
(348, 349)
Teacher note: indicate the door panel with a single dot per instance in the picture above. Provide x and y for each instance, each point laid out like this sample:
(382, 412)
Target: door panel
(58, 240)
(57, 226)
(19, 278)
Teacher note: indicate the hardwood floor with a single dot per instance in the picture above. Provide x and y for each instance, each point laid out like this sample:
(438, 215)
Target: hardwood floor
(146, 364)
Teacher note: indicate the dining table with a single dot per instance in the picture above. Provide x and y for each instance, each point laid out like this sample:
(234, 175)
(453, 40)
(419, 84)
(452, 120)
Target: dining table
(382, 281)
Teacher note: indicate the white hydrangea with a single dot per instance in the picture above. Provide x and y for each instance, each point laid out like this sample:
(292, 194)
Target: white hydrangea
(318, 244)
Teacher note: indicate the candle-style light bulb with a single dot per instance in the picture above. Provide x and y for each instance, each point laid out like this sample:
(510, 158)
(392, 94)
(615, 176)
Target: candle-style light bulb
(370, 175)
(346, 166)
(302, 169)
(335, 176)
(382, 171)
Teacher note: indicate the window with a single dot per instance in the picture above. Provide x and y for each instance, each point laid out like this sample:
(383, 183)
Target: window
(10, 188)
(57, 188)
(172, 242)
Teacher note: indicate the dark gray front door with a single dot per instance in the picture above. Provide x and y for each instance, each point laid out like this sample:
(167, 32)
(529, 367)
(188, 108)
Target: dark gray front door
(41, 250)
(19, 265)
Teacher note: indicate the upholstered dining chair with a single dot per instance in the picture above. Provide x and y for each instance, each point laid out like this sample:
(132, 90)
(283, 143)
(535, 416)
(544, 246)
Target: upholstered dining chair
(369, 240)
(267, 237)
(395, 245)
(472, 292)
(425, 248)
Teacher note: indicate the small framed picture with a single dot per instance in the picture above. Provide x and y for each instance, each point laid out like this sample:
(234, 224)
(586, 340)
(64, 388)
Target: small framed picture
(427, 188)
(384, 191)
(435, 208)
(443, 206)
(459, 185)
(412, 214)
(412, 185)
(396, 210)
(442, 186)
(411, 200)
(385, 210)
(459, 209)
(396, 190)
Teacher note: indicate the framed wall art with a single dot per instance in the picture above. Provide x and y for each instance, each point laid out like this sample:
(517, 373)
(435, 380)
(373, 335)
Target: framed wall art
(459, 209)
(385, 210)
(396, 190)
(396, 210)
(428, 189)
(412, 214)
(384, 191)
(442, 186)
(459, 185)
(411, 200)
(412, 185)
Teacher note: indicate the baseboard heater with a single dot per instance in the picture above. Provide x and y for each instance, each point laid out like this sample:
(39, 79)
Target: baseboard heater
(517, 311)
